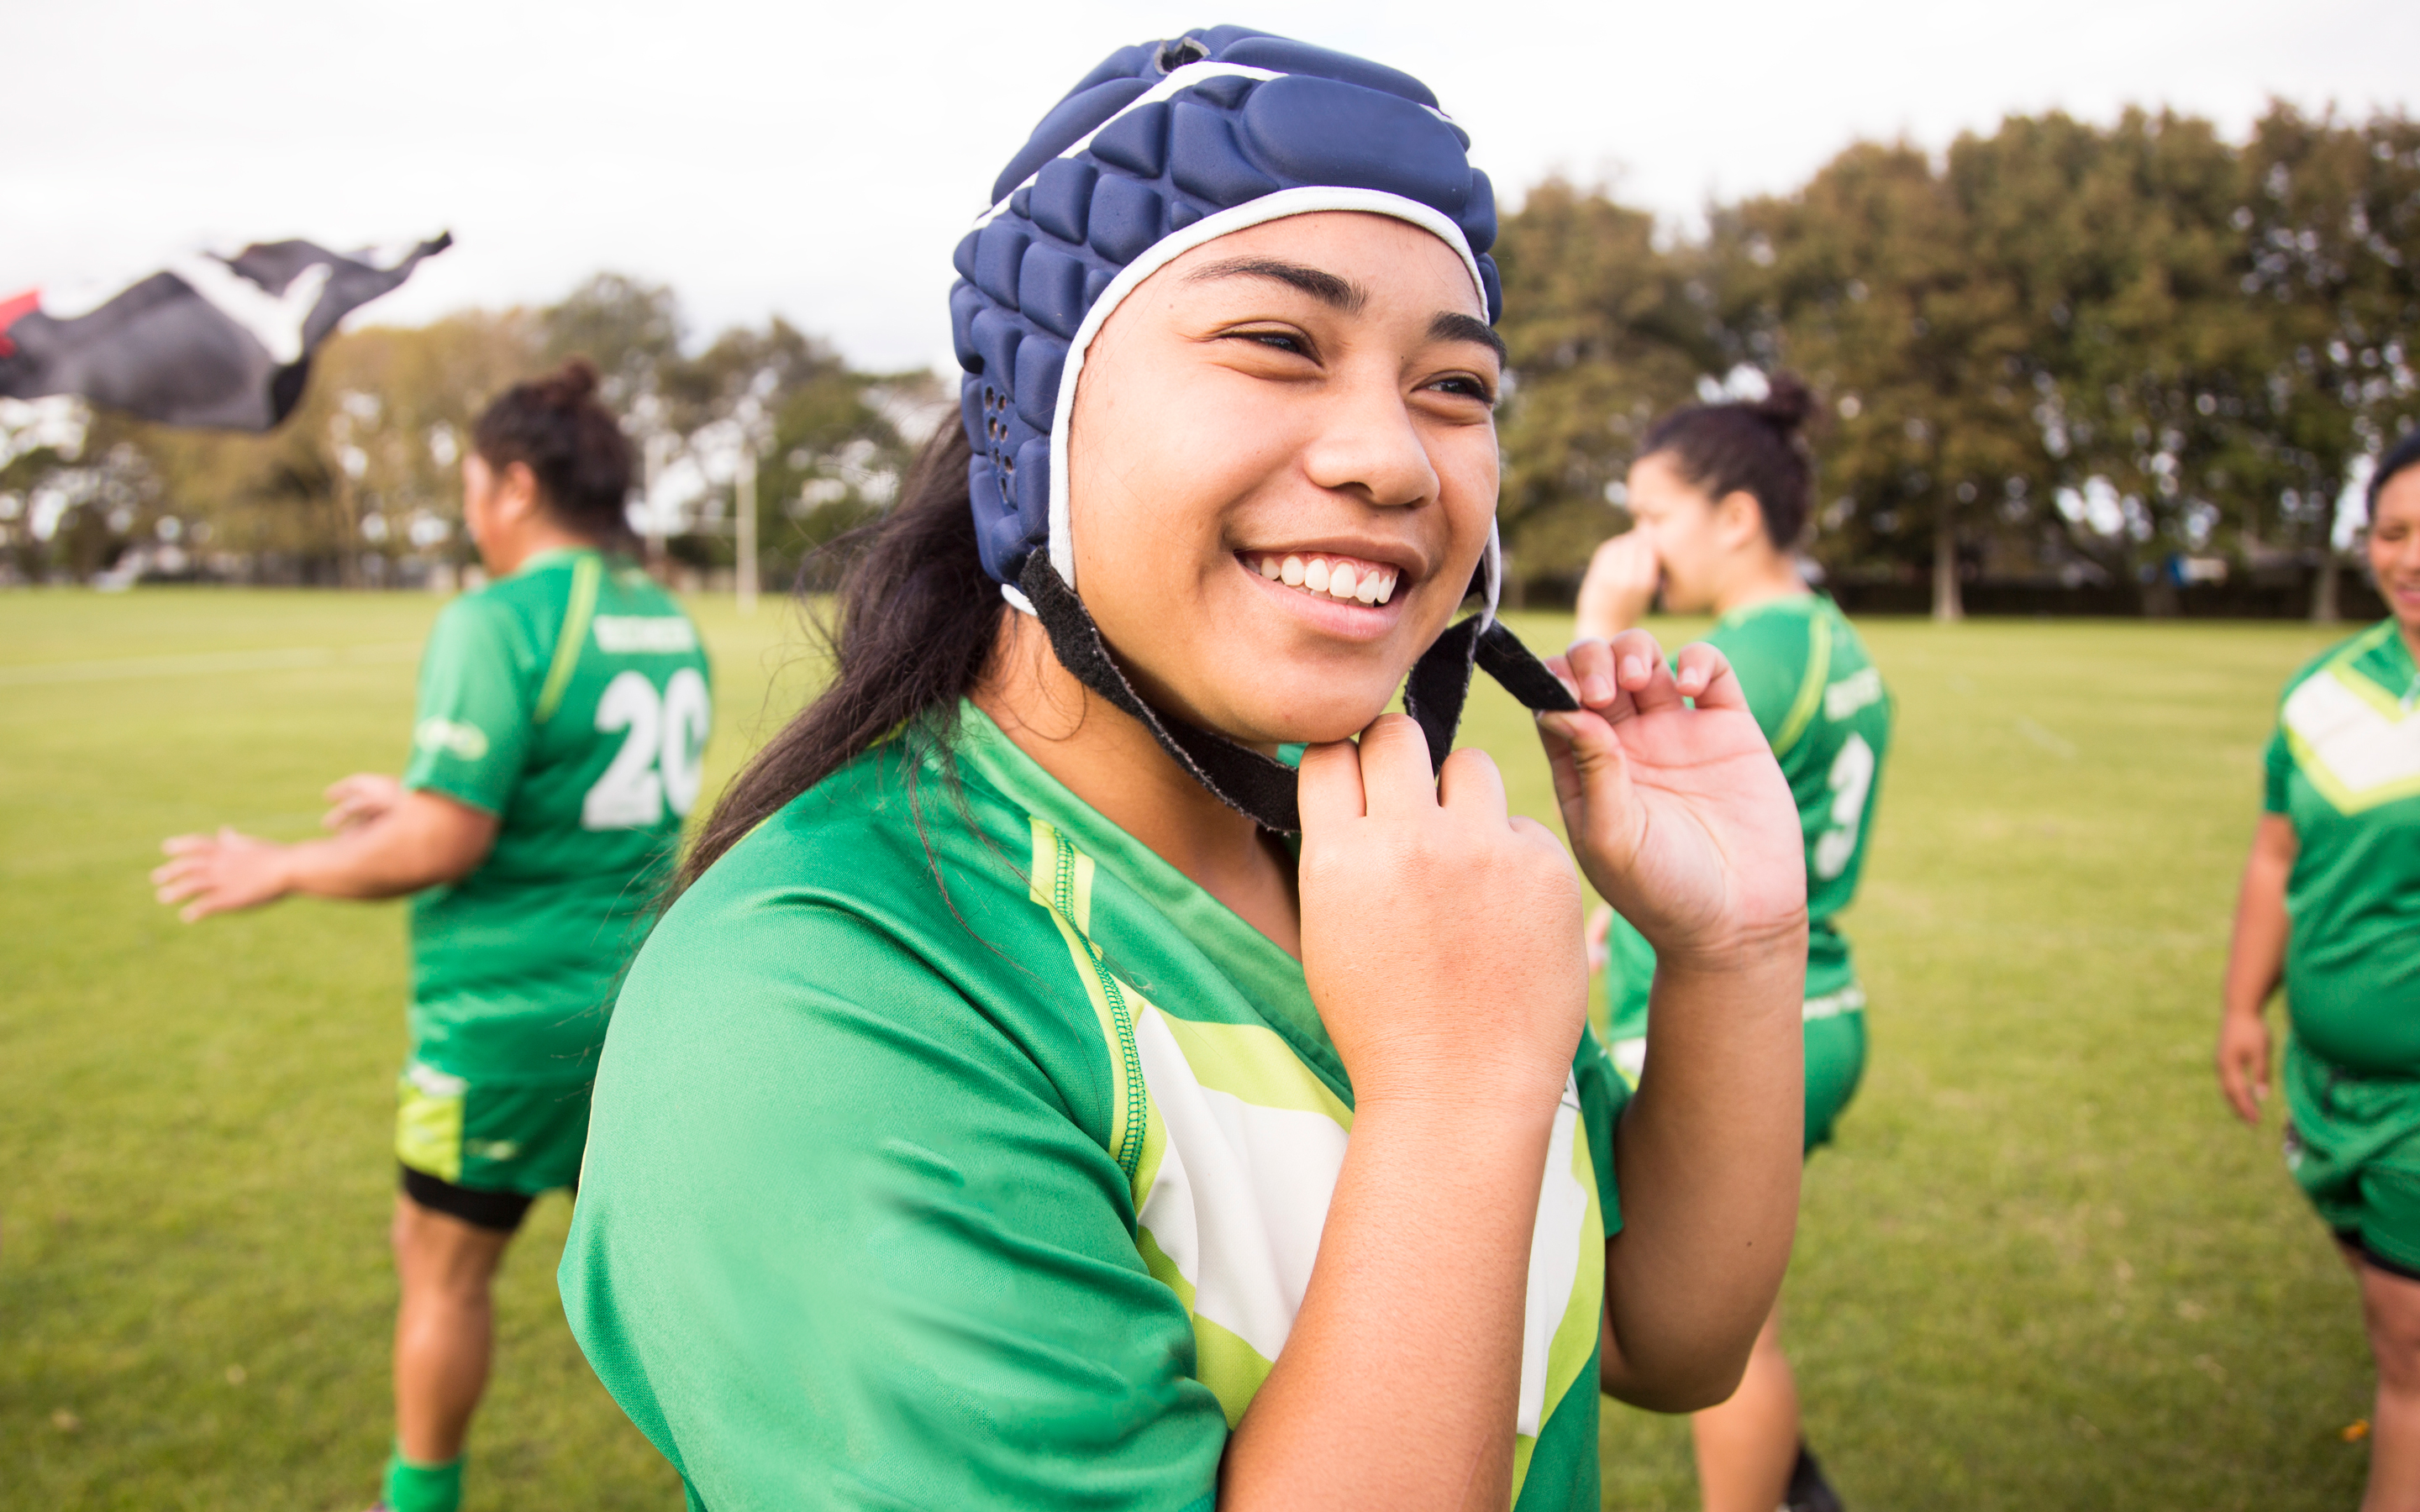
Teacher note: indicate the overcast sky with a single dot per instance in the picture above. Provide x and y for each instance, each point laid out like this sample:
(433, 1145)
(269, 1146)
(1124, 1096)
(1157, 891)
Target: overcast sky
(819, 160)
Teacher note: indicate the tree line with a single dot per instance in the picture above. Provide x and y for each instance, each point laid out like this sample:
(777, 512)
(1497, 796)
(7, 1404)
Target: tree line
(2114, 358)
(2067, 353)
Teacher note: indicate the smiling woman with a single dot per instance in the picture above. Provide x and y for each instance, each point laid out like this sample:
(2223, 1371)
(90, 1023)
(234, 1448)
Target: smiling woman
(1043, 1094)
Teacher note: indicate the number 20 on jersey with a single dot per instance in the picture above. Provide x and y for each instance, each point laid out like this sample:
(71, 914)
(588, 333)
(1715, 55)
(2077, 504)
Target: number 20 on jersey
(663, 759)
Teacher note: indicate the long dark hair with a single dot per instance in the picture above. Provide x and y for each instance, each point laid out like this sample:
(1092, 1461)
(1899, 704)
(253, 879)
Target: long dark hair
(572, 445)
(1758, 448)
(912, 630)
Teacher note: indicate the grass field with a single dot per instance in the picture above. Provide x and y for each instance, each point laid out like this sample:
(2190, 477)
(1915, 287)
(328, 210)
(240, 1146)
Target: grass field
(2040, 1269)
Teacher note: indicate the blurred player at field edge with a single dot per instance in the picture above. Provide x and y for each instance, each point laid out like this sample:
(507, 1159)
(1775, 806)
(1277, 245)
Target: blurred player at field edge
(2331, 906)
(562, 718)
(1720, 494)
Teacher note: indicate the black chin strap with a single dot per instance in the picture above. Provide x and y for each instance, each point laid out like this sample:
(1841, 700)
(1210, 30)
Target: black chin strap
(1259, 788)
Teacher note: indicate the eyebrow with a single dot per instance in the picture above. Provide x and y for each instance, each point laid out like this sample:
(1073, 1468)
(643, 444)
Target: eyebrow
(1344, 294)
(1324, 287)
(1449, 326)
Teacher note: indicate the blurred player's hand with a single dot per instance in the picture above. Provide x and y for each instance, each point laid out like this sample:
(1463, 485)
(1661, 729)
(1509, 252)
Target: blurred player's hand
(219, 873)
(2243, 1064)
(1619, 585)
(361, 798)
(1679, 815)
(1600, 939)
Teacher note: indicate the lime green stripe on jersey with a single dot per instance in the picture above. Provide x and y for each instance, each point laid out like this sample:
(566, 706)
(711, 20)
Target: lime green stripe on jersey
(585, 574)
(2355, 740)
(1232, 1369)
(1811, 687)
(1254, 1064)
(1063, 883)
(2345, 667)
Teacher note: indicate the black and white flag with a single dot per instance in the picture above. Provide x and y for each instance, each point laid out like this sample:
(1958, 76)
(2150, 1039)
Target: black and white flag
(211, 341)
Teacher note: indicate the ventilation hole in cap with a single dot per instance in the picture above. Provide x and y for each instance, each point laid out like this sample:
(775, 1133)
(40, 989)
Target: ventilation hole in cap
(1181, 51)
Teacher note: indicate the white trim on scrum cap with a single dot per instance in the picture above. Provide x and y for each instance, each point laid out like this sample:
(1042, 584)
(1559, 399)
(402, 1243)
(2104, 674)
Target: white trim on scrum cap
(1308, 199)
(1181, 79)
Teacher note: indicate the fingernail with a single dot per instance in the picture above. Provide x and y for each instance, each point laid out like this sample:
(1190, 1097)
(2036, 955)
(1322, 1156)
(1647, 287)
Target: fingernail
(1632, 669)
(1597, 689)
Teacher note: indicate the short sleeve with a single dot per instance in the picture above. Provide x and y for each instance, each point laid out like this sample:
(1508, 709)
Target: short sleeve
(840, 1243)
(471, 733)
(2276, 764)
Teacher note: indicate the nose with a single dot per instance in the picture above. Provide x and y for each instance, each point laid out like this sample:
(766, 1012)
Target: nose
(1366, 444)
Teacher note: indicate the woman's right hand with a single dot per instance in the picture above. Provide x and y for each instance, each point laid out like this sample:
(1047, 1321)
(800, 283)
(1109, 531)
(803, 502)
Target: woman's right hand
(1619, 585)
(1441, 937)
(2255, 957)
(2243, 1063)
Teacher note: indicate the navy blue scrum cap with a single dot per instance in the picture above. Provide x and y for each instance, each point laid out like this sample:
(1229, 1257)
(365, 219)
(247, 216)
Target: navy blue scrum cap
(1162, 148)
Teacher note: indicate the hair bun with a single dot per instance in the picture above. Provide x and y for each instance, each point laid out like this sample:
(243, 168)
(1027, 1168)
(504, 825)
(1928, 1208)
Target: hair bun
(1788, 403)
(572, 384)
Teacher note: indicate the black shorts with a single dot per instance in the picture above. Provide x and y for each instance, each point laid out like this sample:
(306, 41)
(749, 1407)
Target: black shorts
(498, 1212)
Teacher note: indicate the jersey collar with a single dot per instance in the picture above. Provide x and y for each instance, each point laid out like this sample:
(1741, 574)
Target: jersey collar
(553, 556)
(1269, 977)
(1795, 603)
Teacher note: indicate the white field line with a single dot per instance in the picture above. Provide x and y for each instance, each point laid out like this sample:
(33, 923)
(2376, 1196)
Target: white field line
(279, 660)
(2049, 740)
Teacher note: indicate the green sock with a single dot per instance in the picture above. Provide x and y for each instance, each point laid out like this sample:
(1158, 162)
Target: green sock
(412, 1487)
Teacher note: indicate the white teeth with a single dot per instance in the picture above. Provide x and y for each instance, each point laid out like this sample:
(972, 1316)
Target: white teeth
(1341, 580)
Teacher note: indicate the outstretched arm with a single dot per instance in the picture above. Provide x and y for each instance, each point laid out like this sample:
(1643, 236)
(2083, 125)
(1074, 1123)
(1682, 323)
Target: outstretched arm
(1681, 819)
(391, 841)
(2255, 961)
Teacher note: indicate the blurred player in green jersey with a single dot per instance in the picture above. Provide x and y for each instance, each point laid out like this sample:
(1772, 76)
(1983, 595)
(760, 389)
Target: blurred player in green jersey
(562, 718)
(2331, 906)
(1720, 493)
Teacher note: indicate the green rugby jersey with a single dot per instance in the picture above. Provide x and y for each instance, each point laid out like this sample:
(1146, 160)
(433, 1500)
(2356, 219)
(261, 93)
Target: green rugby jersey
(570, 700)
(951, 1149)
(1819, 699)
(2344, 767)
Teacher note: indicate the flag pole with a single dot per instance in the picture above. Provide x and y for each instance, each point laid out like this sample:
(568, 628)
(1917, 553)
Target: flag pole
(657, 445)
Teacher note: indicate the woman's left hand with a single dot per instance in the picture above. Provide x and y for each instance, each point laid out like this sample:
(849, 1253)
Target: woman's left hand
(221, 874)
(1679, 815)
